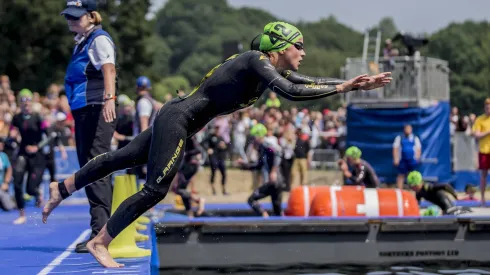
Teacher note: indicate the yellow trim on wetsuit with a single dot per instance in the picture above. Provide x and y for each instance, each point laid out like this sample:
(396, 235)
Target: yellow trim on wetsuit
(210, 73)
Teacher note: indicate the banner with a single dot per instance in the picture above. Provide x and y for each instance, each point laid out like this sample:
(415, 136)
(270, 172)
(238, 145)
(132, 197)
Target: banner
(374, 131)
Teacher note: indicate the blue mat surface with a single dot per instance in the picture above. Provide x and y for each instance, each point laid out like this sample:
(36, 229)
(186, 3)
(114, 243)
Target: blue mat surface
(37, 248)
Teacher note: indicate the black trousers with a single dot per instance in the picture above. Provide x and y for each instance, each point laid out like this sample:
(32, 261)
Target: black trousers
(93, 137)
(286, 166)
(217, 163)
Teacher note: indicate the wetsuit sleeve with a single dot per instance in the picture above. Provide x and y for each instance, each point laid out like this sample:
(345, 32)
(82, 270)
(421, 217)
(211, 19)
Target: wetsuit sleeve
(445, 187)
(280, 85)
(16, 122)
(359, 175)
(206, 144)
(193, 149)
(297, 78)
(253, 166)
(418, 196)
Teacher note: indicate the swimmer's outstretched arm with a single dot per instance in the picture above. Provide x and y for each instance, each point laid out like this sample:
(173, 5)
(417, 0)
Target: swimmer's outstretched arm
(302, 92)
(297, 78)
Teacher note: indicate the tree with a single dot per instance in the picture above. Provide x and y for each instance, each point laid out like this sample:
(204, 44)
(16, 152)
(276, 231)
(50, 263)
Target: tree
(34, 52)
(387, 27)
(169, 85)
(133, 32)
(467, 48)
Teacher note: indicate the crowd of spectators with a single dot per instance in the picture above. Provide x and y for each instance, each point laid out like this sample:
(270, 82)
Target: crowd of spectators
(298, 132)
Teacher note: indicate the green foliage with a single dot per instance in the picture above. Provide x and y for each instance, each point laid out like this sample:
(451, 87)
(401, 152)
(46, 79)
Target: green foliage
(170, 85)
(467, 48)
(34, 45)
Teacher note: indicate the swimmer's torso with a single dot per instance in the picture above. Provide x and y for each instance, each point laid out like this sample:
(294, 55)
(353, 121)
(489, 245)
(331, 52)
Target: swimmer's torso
(238, 83)
(228, 87)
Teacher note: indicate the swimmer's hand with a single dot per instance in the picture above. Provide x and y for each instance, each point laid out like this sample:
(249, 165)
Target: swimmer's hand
(376, 81)
(351, 84)
(239, 162)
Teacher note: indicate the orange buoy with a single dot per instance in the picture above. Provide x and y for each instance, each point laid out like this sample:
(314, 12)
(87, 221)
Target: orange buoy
(300, 199)
(357, 201)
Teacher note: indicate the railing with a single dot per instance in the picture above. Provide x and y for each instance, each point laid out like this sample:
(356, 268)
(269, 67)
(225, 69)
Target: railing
(325, 158)
(417, 80)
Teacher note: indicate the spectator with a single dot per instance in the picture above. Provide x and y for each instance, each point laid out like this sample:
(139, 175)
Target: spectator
(302, 157)
(6, 202)
(240, 136)
(388, 53)
(216, 148)
(146, 106)
(273, 101)
(57, 133)
(481, 131)
(287, 143)
(407, 150)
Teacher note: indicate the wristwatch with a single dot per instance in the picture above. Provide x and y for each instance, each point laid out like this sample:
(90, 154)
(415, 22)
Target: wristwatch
(109, 97)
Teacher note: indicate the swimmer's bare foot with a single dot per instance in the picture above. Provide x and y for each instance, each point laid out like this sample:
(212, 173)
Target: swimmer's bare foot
(20, 220)
(99, 248)
(200, 211)
(54, 200)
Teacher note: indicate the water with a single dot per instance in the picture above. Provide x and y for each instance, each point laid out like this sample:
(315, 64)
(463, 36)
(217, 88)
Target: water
(419, 269)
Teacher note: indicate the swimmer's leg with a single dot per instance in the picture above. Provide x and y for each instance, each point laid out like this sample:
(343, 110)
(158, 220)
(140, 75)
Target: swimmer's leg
(166, 154)
(258, 194)
(186, 200)
(131, 155)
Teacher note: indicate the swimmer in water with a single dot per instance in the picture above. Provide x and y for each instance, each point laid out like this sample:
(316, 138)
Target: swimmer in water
(435, 193)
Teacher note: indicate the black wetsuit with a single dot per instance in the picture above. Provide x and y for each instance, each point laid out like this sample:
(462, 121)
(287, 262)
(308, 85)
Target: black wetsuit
(436, 194)
(54, 136)
(235, 84)
(364, 174)
(189, 167)
(31, 131)
(124, 126)
(269, 158)
(216, 159)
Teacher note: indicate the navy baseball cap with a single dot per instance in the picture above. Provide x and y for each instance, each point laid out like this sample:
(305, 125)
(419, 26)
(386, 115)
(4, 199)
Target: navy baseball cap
(77, 8)
(143, 81)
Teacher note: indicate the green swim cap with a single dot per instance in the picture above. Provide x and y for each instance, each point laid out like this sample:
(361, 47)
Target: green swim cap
(414, 178)
(124, 100)
(432, 211)
(278, 36)
(25, 93)
(258, 130)
(353, 152)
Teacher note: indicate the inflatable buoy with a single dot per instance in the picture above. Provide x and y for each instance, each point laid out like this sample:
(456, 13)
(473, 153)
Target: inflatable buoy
(357, 201)
(300, 199)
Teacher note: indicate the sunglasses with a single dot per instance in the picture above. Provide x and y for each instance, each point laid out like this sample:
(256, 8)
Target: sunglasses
(25, 99)
(298, 45)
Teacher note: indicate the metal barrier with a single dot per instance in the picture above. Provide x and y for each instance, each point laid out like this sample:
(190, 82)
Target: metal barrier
(417, 81)
(323, 158)
(465, 152)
